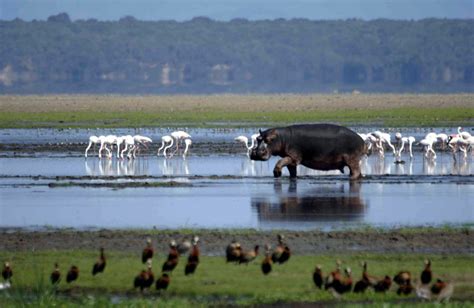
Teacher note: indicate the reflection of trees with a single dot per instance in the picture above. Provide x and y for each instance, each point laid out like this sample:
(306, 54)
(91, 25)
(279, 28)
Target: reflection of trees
(340, 202)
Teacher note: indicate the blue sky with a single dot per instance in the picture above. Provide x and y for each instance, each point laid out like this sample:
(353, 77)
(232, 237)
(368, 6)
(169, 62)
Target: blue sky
(228, 9)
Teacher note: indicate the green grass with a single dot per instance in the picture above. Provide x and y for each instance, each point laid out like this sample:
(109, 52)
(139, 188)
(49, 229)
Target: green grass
(215, 282)
(406, 116)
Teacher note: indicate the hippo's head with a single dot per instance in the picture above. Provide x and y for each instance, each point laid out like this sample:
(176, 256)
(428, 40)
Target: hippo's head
(268, 143)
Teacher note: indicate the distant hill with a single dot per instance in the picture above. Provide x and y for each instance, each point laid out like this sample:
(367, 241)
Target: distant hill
(240, 56)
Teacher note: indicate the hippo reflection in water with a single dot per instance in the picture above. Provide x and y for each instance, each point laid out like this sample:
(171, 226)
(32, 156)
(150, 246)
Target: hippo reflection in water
(326, 203)
(316, 146)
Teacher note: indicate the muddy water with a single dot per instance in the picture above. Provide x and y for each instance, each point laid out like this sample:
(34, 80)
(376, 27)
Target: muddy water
(224, 190)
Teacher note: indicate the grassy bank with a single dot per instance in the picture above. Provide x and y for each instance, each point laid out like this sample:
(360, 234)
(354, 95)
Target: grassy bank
(215, 282)
(235, 110)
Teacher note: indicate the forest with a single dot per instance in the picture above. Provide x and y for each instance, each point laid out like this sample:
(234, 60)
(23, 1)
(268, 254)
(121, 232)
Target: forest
(201, 55)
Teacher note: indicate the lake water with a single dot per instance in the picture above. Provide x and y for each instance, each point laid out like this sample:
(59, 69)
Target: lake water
(226, 191)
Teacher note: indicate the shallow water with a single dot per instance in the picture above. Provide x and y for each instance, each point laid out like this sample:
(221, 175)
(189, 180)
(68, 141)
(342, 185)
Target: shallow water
(228, 192)
(243, 203)
(221, 165)
(224, 190)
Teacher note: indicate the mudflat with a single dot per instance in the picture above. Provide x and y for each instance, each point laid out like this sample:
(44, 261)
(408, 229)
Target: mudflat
(213, 242)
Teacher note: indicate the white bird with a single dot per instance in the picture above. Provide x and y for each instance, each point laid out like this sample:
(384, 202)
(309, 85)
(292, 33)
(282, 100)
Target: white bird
(129, 143)
(410, 140)
(119, 142)
(179, 135)
(245, 141)
(254, 140)
(167, 147)
(140, 140)
(93, 140)
(164, 140)
(463, 134)
(188, 143)
(383, 138)
(109, 139)
(431, 136)
(428, 145)
(443, 138)
(457, 142)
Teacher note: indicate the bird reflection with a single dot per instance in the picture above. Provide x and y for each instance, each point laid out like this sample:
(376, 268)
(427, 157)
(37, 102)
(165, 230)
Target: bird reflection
(174, 167)
(404, 167)
(429, 166)
(108, 167)
(326, 203)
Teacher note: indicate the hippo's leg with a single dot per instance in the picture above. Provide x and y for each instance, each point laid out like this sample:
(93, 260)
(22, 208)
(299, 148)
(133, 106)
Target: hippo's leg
(354, 166)
(285, 161)
(292, 170)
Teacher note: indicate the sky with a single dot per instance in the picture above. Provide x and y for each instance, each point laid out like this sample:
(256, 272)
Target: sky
(228, 9)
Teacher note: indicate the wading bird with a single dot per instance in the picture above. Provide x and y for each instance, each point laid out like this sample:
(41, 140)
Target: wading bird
(193, 258)
(188, 143)
(341, 285)
(383, 138)
(428, 145)
(118, 143)
(248, 256)
(179, 135)
(150, 277)
(147, 251)
(172, 260)
(139, 281)
(73, 274)
(99, 266)
(93, 140)
(129, 144)
(163, 282)
(233, 251)
(426, 274)
(383, 285)
(334, 275)
(108, 140)
(318, 277)
(402, 141)
(245, 141)
(403, 279)
(282, 252)
(7, 272)
(164, 141)
(463, 134)
(55, 275)
(138, 141)
(365, 282)
(267, 262)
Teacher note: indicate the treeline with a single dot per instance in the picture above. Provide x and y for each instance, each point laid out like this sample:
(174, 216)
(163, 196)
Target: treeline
(204, 56)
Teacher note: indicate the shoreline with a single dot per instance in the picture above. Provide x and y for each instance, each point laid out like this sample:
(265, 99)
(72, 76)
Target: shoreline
(432, 240)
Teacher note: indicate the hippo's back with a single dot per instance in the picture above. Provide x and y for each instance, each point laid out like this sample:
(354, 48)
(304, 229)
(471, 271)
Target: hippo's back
(324, 139)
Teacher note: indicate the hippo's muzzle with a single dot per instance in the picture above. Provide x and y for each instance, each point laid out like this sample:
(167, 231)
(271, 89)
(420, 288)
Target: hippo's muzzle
(260, 153)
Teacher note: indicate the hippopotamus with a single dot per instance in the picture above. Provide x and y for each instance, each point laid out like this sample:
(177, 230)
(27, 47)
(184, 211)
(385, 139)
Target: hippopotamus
(316, 146)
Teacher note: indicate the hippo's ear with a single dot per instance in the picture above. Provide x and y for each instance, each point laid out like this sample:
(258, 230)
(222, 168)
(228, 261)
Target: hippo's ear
(260, 131)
